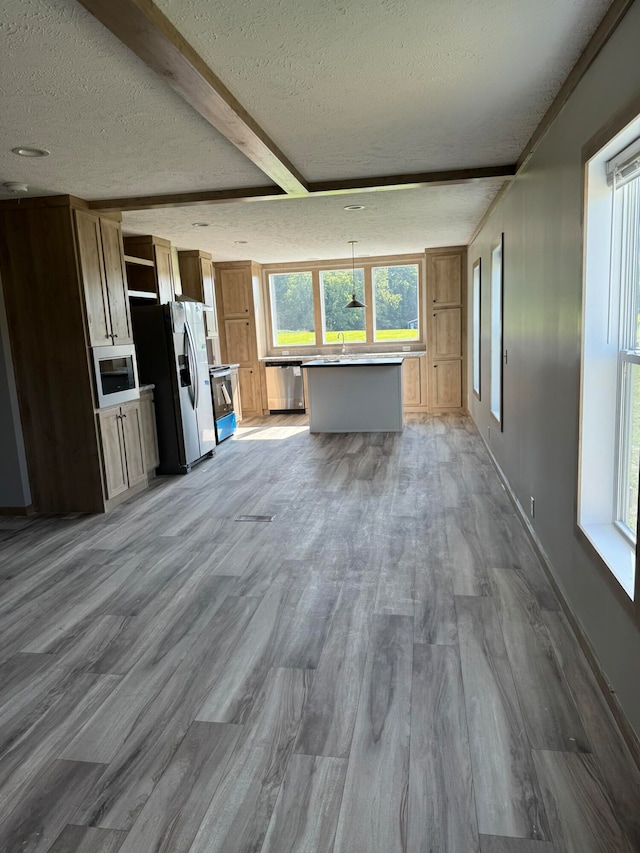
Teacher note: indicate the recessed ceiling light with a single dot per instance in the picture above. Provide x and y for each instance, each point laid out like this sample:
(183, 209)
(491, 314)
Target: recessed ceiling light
(354, 207)
(23, 151)
(241, 242)
(200, 224)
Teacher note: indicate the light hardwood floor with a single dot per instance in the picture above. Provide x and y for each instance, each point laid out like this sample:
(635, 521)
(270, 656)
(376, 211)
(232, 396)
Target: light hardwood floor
(382, 668)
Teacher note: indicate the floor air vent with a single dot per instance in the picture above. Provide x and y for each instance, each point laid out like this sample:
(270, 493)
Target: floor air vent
(255, 518)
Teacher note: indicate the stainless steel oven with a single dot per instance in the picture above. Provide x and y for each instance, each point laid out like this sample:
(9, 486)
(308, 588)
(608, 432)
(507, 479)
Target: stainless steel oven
(222, 397)
(116, 375)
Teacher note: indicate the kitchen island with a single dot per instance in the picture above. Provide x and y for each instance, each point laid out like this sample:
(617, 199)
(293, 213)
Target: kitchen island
(355, 395)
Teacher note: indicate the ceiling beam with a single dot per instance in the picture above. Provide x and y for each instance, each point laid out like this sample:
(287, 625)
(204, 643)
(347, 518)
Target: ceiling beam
(319, 188)
(153, 38)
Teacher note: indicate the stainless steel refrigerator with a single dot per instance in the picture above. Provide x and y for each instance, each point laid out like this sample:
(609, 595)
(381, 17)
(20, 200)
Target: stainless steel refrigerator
(172, 354)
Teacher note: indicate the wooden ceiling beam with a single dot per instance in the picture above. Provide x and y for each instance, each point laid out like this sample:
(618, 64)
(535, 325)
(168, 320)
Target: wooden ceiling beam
(153, 38)
(319, 188)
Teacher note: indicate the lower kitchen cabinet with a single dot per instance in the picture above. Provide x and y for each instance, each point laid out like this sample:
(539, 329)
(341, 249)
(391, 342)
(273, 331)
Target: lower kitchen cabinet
(411, 385)
(249, 382)
(149, 432)
(446, 383)
(235, 390)
(122, 448)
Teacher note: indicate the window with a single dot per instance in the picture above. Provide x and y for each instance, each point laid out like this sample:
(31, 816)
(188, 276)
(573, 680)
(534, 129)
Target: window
(610, 392)
(292, 309)
(395, 303)
(337, 287)
(496, 329)
(476, 285)
(307, 304)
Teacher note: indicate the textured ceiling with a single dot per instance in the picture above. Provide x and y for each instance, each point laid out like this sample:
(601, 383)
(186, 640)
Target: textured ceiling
(399, 221)
(345, 88)
(370, 87)
(112, 126)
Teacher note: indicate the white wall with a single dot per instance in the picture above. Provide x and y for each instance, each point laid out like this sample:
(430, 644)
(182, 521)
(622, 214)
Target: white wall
(538, 450)
(14, 480)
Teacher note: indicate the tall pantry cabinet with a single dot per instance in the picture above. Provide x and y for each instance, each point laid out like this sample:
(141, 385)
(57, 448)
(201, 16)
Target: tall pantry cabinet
(446, 271)
(238, 296)
(62, 269)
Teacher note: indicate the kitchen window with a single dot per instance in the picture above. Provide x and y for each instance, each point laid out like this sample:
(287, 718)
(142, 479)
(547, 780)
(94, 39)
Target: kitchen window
(610, 393)
(307, 303)
(395, 303)
(292, 309)
(337, 288)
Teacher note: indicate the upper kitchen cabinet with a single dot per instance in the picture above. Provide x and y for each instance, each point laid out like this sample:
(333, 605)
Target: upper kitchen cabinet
(445, 275)
(236, 292)
(104, 280)
(196, 273)
(156, 275)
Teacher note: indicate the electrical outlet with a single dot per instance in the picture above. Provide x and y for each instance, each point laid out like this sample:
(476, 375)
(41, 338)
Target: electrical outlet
(532, 506)
(488, 432)
(285, 352)
(406, 349)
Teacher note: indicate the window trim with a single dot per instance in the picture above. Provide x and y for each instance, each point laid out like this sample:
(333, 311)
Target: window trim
(365, 263)
(497, 244)
(591, 540)
(476, 330)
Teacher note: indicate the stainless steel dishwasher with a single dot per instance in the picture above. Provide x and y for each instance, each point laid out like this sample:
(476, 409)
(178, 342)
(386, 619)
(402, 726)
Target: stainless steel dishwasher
(285, 386)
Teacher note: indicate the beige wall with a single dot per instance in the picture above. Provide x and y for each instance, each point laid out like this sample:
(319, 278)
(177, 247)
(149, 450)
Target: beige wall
(541, 219)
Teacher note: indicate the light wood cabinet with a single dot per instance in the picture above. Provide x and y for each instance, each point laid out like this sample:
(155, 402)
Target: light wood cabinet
(411, 382)
(248, 380)
(122, 448)
(447, 333)
(240, 341)
(445, 328)
(104, 279)
(197, 277)
(447, 385)
(156, 275)
(445, 269)
(238, 295)
(235, 292)
(149, 432)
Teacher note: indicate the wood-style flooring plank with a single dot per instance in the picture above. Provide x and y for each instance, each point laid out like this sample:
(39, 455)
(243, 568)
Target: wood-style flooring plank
(507, 793)
(441, 811)
(550, 715)
(36, 822)
(502, 844)
(232, 695)
(373, 812)
(306, 813)
(169, 821)
(578, 806)
(34, 740)
(330, 712)
(616, 765)
(468, 564)
(239, 813)
(86, 839)
(302, 644)
(159, 727)
(435, 610)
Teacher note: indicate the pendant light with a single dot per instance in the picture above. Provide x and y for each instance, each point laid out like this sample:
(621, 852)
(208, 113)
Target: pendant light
(355, 303)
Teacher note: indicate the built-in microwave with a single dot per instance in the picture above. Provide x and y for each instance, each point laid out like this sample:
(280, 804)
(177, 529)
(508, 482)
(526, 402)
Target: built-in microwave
(116, 373)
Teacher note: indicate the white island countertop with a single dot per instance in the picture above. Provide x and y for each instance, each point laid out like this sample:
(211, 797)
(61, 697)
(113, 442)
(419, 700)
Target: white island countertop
(355, 394)
(351, 362)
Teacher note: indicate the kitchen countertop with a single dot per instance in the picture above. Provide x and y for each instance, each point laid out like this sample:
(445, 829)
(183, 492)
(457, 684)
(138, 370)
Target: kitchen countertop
(352, 362)
(147, 387)
(348, 357)
(219, 366)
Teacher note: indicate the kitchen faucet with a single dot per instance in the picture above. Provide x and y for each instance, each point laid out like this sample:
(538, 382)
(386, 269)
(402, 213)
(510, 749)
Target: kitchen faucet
(344, 346)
